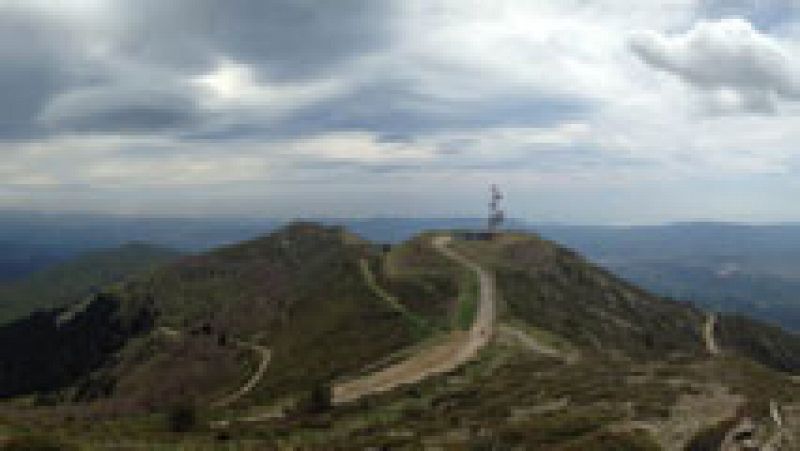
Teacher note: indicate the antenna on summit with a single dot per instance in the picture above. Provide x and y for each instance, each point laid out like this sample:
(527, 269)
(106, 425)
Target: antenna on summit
(496, 215)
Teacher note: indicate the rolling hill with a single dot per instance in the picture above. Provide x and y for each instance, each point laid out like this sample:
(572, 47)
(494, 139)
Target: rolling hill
(69, 282)
(254, 337)
(298, 291)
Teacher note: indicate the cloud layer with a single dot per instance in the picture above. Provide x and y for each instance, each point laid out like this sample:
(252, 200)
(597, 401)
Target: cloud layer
(306, 107)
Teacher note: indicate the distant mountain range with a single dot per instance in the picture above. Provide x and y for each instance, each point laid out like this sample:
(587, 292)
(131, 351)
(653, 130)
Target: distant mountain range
(65, 283)
(752, 269)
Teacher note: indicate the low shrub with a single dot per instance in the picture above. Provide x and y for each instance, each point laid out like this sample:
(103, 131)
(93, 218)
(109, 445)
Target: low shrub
(35, 443)
(182, 417)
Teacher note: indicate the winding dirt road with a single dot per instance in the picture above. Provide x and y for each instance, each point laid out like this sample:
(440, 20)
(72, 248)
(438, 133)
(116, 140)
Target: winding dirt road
(774, 441)
(263, 353)
(264, 356)
(708, 334)
(458, 348)
(529, 342)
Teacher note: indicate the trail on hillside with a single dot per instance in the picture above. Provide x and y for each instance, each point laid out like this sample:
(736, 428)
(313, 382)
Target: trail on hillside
(390, 300)
(775, 441)
(745, 434)
(455, 350)
(264, 356)
(708, 334)
(740, 436)
(529, 342)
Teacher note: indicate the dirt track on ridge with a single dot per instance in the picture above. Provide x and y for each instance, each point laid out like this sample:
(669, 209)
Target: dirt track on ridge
(708, 334)
(458, 347)
(264, 355)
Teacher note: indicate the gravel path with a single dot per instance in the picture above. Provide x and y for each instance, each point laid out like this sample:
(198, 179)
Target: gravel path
(264, 356)
(708, 334)
(458, 348)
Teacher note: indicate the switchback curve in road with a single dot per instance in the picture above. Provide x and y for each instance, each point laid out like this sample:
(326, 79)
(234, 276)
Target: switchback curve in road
(458, 347)
(264, 356)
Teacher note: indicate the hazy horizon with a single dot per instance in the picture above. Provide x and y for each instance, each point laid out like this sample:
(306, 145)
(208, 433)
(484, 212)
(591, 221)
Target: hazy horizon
(509, 223)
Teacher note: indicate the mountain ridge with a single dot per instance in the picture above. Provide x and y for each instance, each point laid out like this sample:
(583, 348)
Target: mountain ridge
(71, 281)
(301, 293)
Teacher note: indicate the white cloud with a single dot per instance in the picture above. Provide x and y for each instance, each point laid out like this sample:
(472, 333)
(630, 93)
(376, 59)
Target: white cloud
(739, 67)
(126, 162)
(180, 170)
(568, 47)
(360, 147)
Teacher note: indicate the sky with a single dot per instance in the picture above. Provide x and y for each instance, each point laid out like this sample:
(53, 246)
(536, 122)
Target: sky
(583, 111)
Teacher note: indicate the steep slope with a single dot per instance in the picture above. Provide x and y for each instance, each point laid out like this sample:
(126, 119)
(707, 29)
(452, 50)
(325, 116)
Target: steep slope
(552, 288)
(725, 284)
(727, 267)
(73, 280)
(768, 344)
(41, 354)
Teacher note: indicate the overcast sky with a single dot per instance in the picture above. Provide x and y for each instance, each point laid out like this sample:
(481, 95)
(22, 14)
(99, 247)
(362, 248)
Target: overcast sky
(598, 111)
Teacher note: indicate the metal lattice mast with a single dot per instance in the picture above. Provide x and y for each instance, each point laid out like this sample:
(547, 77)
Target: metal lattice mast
(496, 215)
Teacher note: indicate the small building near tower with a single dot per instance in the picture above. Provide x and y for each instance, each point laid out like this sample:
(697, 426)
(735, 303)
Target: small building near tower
(477, 235)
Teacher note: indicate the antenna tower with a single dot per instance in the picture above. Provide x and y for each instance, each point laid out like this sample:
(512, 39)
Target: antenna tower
(496, 215)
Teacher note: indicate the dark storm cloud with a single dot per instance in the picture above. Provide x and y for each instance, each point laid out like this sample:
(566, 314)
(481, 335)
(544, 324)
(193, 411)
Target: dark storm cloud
(284, 39)
(53, 81)
(24, 89)
(395, 112)
(35, 64)
(394, 116)
(394, 119)
(50, 82)
(120, 109)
